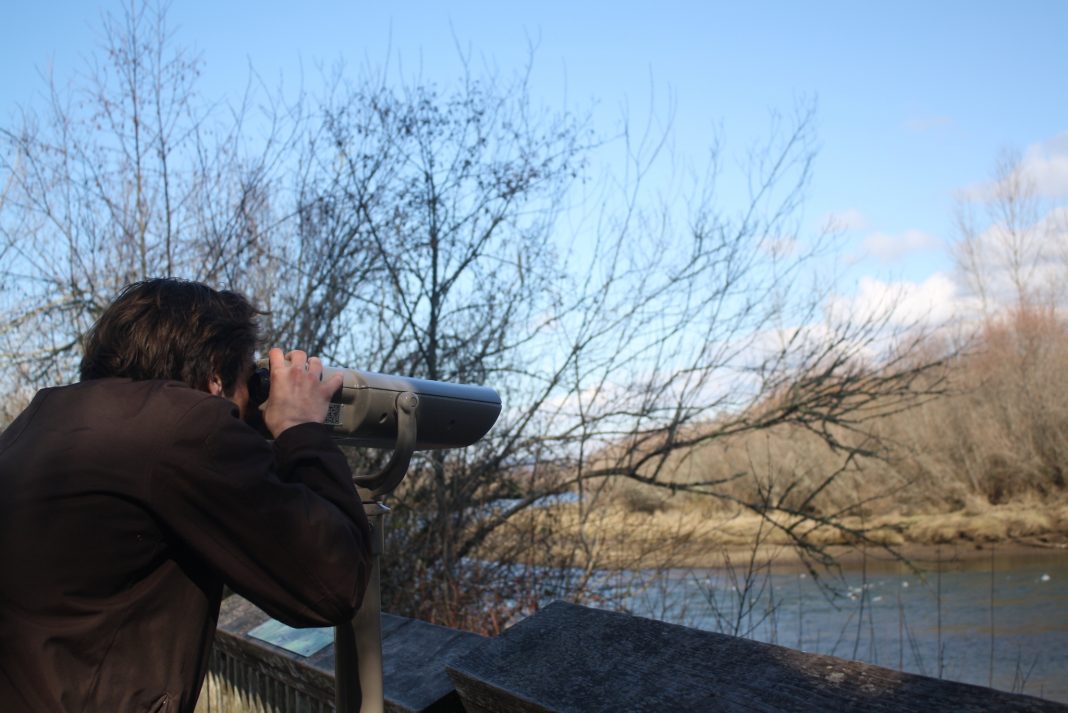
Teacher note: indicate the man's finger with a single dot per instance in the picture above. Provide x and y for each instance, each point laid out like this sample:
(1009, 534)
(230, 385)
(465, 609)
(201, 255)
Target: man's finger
(333, 384)
(276, 358)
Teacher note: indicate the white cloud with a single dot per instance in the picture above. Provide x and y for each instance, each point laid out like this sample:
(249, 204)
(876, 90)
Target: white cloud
(868, 324)
(890, 248)
(850, 219)
(903, 303)
(1046, 164)
(1044, 168)
(935, 300)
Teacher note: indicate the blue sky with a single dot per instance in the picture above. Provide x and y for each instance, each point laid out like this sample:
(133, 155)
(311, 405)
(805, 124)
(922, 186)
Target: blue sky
(914, 99)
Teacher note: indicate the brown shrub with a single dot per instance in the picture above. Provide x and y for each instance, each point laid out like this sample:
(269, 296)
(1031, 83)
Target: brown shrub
(1000, 435)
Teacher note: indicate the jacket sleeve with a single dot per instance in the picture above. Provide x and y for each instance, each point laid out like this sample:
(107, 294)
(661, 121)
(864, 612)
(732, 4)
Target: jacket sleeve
(282, 525)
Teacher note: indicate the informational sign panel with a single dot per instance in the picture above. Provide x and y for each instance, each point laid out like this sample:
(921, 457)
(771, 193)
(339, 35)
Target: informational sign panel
(303, 642)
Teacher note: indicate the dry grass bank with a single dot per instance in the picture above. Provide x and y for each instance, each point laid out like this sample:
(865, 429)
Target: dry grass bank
(680, 537)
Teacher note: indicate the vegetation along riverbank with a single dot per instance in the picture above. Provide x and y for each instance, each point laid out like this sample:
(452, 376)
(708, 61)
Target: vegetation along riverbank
(983, 465)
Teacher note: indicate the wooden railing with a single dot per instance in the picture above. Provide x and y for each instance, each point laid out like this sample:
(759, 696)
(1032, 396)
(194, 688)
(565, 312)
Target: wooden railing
(572, 658)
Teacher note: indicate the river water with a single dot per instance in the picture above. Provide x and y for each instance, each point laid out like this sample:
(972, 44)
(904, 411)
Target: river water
(989, 619)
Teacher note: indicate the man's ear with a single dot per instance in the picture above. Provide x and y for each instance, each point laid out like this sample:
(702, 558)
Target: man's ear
(215, 386)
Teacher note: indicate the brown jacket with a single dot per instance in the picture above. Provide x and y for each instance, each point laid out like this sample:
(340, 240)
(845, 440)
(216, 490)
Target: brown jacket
(124, 507)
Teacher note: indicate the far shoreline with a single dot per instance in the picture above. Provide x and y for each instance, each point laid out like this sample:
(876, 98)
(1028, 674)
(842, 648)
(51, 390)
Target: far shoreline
(924, 556)
(683, 539)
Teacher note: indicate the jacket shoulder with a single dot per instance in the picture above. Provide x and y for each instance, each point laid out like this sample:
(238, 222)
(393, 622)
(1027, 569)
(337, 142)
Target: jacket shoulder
(126, 406)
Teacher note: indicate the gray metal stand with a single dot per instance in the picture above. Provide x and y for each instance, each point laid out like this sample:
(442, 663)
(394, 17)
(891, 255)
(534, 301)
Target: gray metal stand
(358, 644)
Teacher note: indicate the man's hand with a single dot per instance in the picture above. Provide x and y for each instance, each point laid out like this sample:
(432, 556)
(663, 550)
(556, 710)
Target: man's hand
(297, 394)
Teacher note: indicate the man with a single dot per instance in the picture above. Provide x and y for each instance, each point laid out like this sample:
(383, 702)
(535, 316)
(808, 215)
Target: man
(128, 500)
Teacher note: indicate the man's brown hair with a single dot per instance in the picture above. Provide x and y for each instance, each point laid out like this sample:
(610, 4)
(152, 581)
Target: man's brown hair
(167, 328)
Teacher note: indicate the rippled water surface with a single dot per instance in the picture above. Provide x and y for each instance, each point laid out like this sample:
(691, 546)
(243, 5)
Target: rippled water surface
(1005, 626)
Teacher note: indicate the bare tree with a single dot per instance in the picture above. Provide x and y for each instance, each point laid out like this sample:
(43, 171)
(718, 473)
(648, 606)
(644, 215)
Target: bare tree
(660, 327)
(1010, 249)
(125, 175)
(417, 231)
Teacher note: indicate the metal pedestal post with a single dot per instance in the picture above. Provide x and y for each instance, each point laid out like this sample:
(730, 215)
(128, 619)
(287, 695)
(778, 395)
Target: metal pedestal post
(358, 645)
(358, 686)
